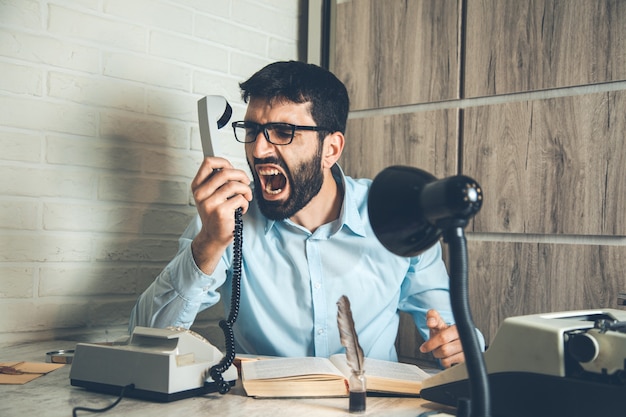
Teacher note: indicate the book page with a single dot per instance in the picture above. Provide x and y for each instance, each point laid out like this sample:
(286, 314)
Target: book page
(287, 367)
(383, 369)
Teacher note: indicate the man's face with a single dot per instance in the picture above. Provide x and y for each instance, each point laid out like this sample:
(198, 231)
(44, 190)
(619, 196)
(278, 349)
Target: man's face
(286, 177)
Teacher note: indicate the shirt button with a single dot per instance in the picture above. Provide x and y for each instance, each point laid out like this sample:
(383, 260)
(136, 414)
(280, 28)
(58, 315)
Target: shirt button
(320, 331)
(317, 285)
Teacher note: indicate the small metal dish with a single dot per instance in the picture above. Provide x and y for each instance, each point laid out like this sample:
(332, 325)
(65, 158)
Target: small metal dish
(60, 356)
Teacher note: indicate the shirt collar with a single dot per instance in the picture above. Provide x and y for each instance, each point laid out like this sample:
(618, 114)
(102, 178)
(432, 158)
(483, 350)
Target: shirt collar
(349, 216)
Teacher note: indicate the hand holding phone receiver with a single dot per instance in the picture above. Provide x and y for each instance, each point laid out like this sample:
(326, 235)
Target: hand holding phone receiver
(214, 112)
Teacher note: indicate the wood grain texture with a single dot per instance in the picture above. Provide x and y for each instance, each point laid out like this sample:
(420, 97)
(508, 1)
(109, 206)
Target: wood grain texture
(524, 45)
(408, 344)
(509, 279)
(425, 140)
(551, 166)
(397, 52)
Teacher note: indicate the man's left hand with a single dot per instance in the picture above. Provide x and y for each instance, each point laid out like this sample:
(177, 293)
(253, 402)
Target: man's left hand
(444, 341)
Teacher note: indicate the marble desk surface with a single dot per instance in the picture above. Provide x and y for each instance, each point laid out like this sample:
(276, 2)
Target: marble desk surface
(52, 395)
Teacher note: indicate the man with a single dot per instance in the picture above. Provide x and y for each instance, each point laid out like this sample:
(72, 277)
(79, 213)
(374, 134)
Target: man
(306, 237)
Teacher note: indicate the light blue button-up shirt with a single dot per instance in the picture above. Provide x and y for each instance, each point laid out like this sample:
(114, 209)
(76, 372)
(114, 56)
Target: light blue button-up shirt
(292, 279)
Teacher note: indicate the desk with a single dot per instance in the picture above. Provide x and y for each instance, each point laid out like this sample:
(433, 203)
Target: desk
(52, 395)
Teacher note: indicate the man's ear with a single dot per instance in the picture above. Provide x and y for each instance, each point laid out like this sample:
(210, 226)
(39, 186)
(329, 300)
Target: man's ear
(332, 148)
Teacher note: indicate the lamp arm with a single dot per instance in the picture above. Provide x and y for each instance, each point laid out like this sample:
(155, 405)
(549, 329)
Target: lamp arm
(480, 404)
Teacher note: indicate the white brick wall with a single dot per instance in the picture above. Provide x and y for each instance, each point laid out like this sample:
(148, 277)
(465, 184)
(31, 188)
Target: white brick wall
(99, 142)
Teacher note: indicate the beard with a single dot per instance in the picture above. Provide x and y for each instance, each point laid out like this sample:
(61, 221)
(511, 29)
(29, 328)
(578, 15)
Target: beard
(305, 181)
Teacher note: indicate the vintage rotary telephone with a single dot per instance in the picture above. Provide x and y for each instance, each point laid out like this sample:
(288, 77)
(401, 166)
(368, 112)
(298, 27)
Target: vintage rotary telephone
(174, 363)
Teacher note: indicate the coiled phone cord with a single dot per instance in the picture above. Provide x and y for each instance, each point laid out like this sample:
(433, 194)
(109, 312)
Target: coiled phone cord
(216, 371)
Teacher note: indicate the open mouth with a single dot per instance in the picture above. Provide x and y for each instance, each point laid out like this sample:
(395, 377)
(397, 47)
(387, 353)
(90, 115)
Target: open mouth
(272, 179)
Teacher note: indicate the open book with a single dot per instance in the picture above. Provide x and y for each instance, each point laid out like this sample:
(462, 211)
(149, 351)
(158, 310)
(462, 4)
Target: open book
(322, 377)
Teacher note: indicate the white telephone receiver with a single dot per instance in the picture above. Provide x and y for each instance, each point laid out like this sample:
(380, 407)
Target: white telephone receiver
(213, 114)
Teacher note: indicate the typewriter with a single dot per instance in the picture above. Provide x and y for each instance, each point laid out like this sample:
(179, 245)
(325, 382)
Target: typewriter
(549, 365)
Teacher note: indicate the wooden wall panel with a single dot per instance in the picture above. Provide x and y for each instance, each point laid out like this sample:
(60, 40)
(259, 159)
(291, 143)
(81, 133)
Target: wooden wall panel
(551, 233)
(524, 45)
(551, 166)
(530, 278)
(396, 52)
(408, 344)
(425, 140)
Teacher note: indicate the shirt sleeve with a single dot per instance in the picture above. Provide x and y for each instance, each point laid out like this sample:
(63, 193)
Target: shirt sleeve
(427, 286)
(179, 292)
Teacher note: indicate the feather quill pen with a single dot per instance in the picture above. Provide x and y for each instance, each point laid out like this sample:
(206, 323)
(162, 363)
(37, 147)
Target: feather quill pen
(348, 336)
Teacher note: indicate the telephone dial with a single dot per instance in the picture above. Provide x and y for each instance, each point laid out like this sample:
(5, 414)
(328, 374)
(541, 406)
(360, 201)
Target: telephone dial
(173, 363)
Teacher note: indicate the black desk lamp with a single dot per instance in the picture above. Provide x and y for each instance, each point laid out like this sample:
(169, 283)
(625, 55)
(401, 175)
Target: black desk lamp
(409, 210)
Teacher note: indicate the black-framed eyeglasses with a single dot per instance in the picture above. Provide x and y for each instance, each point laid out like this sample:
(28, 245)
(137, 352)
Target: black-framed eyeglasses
(274, 133)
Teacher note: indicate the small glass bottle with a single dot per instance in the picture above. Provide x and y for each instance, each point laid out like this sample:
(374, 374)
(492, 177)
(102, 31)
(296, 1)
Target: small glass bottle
(357, 392)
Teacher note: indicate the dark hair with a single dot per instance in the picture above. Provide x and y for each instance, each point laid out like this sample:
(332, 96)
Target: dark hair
(299, 82)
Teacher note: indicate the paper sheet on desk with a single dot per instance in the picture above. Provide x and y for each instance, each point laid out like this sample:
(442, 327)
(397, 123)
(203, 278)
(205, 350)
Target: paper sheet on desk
(26, 371)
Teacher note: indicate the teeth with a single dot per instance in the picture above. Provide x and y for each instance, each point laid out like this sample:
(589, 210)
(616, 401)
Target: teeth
(269, 190)
(268, 171)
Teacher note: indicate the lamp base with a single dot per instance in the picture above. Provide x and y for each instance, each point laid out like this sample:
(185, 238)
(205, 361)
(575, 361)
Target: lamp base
(521, 394)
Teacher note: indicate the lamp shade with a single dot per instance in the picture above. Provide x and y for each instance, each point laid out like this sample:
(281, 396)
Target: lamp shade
(409, 207)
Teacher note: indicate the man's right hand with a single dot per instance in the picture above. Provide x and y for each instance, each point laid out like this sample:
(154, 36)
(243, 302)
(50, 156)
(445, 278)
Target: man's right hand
(218, 190)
